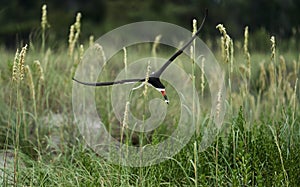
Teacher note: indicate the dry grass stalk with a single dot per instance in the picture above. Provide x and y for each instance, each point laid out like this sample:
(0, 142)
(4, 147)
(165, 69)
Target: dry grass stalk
(77, 27)
(81, 52)
(272, 89)
(252, 105)
(125, 118)
(97, 48)
(124, 123)
(18, 65)
(262, 77)
(219, 98)
(71, 39)
(74, 34)
(194, 42)
(273, 54)
(22, 62)
(194, 27)
(242, 69)
(281, 72)
(295, 68)
(294, 99)
(223, 47)
(272, 75)
(30, 83)
(15, 73)
(192, 53)
(273, 49)
(40, 71)
(246, 52)
(44, 21)
(218, 105)
(289, 91)
(41, 80)
(91, 40)
(227, 42)
(125, 60)
(147, 79)
(44, 25)
(246, 37)
(100, 49)
(155, 44)
(231, 55)
(202, 77)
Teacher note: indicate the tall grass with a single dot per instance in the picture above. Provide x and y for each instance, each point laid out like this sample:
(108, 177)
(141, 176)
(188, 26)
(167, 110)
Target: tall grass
(260, 147)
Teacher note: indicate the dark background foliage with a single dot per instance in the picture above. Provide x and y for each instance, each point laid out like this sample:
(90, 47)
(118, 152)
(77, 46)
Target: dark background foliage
(20, 18)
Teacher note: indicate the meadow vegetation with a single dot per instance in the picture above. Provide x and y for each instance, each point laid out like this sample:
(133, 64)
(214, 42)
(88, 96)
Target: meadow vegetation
(41, 145)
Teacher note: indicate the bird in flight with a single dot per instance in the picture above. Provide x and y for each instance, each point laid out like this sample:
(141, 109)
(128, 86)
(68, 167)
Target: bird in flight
(154, 78)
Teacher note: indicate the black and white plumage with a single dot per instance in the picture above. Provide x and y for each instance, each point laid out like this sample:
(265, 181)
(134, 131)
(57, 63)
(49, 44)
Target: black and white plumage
(154, 78)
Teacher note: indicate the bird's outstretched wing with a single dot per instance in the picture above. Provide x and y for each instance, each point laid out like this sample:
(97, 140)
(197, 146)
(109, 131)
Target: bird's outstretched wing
(126, 81)
(156, 74)
(175, 55)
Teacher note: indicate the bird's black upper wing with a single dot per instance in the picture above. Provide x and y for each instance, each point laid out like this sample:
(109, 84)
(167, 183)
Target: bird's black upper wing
(173, 57)
(126, 81)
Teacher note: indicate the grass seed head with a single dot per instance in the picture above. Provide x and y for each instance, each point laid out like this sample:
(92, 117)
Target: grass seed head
(246, 37)
(155, 44)
(125, 60)
(227, 45)
(71, 39)
(194, 27)
(125, 119)
(44, 22)
(246, 51)
(98, 48)
(202, 76)
(15, 73)
(22, 62)
(81, 52)
(147, 79)
(273, 49)
(77, 23)
(91, 40)
(74, 33)
(40, 71)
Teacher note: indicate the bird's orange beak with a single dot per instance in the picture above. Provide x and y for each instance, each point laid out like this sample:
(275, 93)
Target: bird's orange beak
(163, 92)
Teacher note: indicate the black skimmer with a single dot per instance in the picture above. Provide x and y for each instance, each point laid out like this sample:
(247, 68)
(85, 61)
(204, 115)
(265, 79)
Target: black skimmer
(154, 78)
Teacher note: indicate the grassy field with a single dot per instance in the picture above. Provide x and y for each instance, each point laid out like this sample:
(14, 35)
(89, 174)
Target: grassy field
(41, 145)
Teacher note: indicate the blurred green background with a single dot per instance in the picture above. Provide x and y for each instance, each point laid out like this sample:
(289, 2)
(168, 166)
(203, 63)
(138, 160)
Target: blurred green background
(20, 19)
